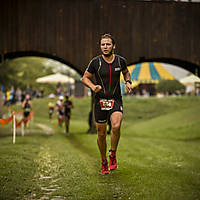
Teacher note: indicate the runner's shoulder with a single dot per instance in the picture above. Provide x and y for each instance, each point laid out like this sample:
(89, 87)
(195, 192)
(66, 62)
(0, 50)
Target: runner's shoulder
(122, 62)
(121, 58)
(94, 63)
(96, 58)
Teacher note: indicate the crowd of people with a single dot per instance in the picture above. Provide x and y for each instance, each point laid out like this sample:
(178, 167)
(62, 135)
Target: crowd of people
(17, 96)
(62, 108)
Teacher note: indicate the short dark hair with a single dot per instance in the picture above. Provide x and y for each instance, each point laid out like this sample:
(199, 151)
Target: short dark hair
(107, 35)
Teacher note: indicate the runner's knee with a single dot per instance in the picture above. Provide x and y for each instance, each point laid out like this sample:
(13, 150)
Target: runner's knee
(102, 135)
(116, 126)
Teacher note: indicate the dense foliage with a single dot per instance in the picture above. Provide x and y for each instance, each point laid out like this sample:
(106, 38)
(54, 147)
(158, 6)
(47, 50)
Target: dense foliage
(169, 86)
(22, 72)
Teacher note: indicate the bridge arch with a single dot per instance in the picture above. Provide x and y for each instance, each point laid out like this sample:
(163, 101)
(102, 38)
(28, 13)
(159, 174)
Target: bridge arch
(189, 66)
(13, 55)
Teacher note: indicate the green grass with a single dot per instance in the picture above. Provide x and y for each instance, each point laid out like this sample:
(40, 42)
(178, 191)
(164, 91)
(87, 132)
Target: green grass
(158, 154)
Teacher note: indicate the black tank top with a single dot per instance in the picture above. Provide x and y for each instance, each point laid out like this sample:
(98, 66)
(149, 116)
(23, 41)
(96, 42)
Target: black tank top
(27, 107)
(108, 76)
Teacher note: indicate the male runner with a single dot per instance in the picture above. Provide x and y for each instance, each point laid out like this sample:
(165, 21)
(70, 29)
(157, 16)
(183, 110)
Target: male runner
(60, 111)
(108, 101)
(67, 112)
(51, 107)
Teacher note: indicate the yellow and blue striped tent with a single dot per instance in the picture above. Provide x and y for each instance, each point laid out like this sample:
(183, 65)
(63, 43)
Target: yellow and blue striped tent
(148, 72)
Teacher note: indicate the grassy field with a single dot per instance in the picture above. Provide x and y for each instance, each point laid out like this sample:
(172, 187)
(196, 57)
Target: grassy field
(158, 154)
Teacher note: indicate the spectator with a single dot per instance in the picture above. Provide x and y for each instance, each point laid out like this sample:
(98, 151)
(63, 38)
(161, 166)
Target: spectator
(18, 95)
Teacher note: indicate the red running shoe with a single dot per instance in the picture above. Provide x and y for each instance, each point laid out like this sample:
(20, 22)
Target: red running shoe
(104, 167)
(113, 161)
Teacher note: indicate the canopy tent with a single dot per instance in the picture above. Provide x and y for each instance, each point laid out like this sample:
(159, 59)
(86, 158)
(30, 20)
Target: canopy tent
(148, 72)
(55, 78)
(190, 80)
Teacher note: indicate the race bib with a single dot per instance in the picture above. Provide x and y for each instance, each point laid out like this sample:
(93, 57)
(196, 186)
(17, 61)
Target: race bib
(106, 104)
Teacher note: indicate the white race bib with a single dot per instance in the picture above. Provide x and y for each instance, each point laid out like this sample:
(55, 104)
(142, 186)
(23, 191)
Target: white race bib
(106, 104)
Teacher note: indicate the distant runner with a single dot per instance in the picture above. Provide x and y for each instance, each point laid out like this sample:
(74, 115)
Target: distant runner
(67, 112)
(60, 111)
(51, 107)
(27, 107)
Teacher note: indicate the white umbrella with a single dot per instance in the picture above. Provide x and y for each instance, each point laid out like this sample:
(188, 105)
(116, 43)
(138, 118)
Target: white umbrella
(55, 78)
(190, 80)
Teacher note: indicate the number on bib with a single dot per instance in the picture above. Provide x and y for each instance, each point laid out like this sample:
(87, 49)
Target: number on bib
(106, 104)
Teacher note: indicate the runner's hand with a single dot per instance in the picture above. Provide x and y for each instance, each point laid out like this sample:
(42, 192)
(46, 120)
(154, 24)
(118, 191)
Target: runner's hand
(97, 88)
(129, 87)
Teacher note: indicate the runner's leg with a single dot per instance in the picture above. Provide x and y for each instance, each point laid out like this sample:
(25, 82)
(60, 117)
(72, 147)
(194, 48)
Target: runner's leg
(66, 124)
(116, 119)
(101, 139)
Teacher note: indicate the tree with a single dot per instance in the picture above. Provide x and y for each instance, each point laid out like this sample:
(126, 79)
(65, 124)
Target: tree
(169, 86)
(22, 72)
(7, 74)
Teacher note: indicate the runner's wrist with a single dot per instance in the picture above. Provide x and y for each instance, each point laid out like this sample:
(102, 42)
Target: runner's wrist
(128, 81)
(94, 88)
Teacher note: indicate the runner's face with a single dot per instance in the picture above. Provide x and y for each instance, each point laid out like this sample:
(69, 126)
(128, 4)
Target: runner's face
(107, 47)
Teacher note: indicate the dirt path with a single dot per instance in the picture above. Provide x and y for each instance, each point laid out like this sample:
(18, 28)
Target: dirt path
(47, 172)
(47, 130)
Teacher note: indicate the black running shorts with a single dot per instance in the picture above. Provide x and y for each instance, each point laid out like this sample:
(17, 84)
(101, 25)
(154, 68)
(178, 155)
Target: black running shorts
(26, 114)
(101, 116)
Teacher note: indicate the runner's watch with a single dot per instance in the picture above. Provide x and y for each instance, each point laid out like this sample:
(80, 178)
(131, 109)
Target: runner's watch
(128, 81)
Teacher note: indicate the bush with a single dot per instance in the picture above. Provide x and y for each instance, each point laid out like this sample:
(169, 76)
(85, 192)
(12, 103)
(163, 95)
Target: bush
(169, 86)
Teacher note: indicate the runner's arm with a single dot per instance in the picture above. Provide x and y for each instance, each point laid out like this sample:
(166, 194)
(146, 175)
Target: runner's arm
(127, 77)
(86, 80)
(23, 103)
